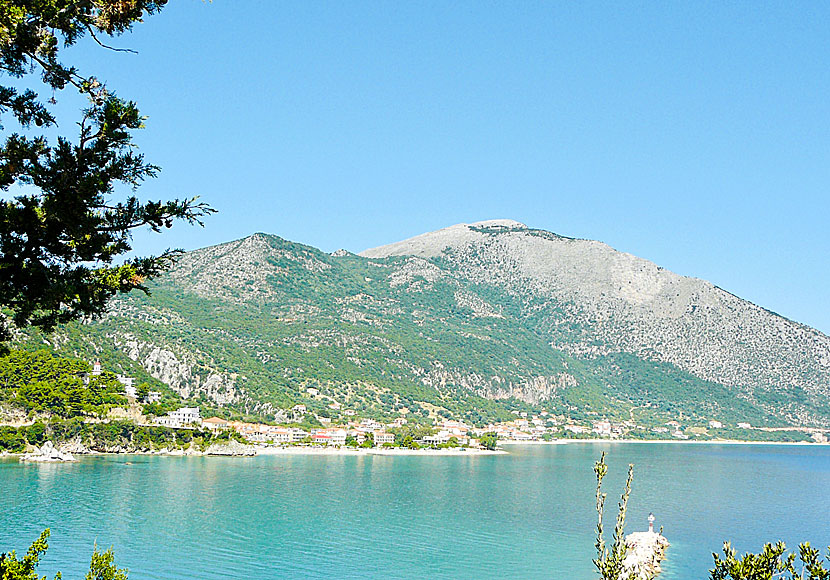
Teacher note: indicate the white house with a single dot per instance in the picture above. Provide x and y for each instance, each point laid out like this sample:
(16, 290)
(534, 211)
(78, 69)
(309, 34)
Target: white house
(715, 425)
(298, 434)
(602, 428)
(180, 417)
(382, 437)
(129, 385)
(338, 436)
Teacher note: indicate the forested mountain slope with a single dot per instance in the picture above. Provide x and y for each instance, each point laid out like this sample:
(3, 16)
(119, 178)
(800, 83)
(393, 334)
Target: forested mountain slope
(470, 321)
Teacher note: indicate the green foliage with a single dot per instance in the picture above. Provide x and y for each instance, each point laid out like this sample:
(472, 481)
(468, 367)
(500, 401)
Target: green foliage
(12, 439)
(26, 568)
(771, 563)
(409, 434)
(104, 436)
(609, 563)
(488, 440)
(43, 382)
(59, 239)
(338, 324)
(102, 566)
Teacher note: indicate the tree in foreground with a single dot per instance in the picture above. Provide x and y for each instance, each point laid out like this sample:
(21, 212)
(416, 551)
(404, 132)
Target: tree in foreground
(64, 217)
(102, 566)
(609, 562)
(771, 563)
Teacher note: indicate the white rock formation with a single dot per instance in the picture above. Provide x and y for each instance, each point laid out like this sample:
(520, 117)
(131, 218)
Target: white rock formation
(48, 453)
(645, 552)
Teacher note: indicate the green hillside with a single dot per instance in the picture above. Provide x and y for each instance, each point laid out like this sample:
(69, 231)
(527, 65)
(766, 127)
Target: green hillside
(250, 325)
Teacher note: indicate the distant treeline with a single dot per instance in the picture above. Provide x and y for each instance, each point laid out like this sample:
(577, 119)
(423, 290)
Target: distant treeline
(108, 436)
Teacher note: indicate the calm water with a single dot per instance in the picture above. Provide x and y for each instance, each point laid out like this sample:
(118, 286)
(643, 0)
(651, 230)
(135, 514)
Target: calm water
(528, 514)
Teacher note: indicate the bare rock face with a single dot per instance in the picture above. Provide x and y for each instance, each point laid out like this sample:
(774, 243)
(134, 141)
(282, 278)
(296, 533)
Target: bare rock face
(493, 309)
(48, 453)
(74, 447)
(622, 303)
(232, 448)
(180, 371)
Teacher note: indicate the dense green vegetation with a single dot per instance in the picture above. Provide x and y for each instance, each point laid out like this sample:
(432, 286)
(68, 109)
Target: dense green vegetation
(64, 226)
(43, 382)
(112, 435)
(101, 567)
(384, 338)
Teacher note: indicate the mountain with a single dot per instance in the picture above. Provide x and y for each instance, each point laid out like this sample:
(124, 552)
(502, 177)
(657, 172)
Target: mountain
(471, 321)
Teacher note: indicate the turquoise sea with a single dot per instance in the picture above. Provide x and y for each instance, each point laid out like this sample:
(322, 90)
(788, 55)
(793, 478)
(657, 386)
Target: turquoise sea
(527, 514)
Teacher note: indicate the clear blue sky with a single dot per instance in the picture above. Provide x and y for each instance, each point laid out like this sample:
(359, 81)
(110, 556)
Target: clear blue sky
(695, 135)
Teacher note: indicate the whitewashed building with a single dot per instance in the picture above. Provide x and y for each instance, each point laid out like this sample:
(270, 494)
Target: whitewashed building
(184, 416)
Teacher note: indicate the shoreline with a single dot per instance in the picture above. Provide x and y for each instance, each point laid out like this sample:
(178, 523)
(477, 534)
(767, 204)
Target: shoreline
(510, 442)
(503, 449)
(263, 451)
(376, 451)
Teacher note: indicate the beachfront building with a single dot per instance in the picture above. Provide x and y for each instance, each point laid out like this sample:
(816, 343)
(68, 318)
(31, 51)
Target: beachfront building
(298, 434)
(321, 438)
(382, 437)
(329, 436)
(715, 425)
(338, 436)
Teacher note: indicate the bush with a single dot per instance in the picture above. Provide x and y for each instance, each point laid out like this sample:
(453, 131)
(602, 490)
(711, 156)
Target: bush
(102, 566)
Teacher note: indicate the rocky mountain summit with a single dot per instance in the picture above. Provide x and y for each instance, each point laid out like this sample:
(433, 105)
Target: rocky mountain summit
(622, 303)
(470, 321)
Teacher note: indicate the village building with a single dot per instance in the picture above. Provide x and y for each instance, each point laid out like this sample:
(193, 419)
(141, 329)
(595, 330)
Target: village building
(215, 424)
(381, 437)
(602, 428)
(182, 417)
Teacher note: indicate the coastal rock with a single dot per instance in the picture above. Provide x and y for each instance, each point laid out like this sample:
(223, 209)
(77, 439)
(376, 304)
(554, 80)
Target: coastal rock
(231, 448)
(645, 552)
(48, 453)
(74, 447)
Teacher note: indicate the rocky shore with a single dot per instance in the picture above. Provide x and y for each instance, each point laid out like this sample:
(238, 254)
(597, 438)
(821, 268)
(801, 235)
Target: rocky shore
(48, 453)
(645, 552)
